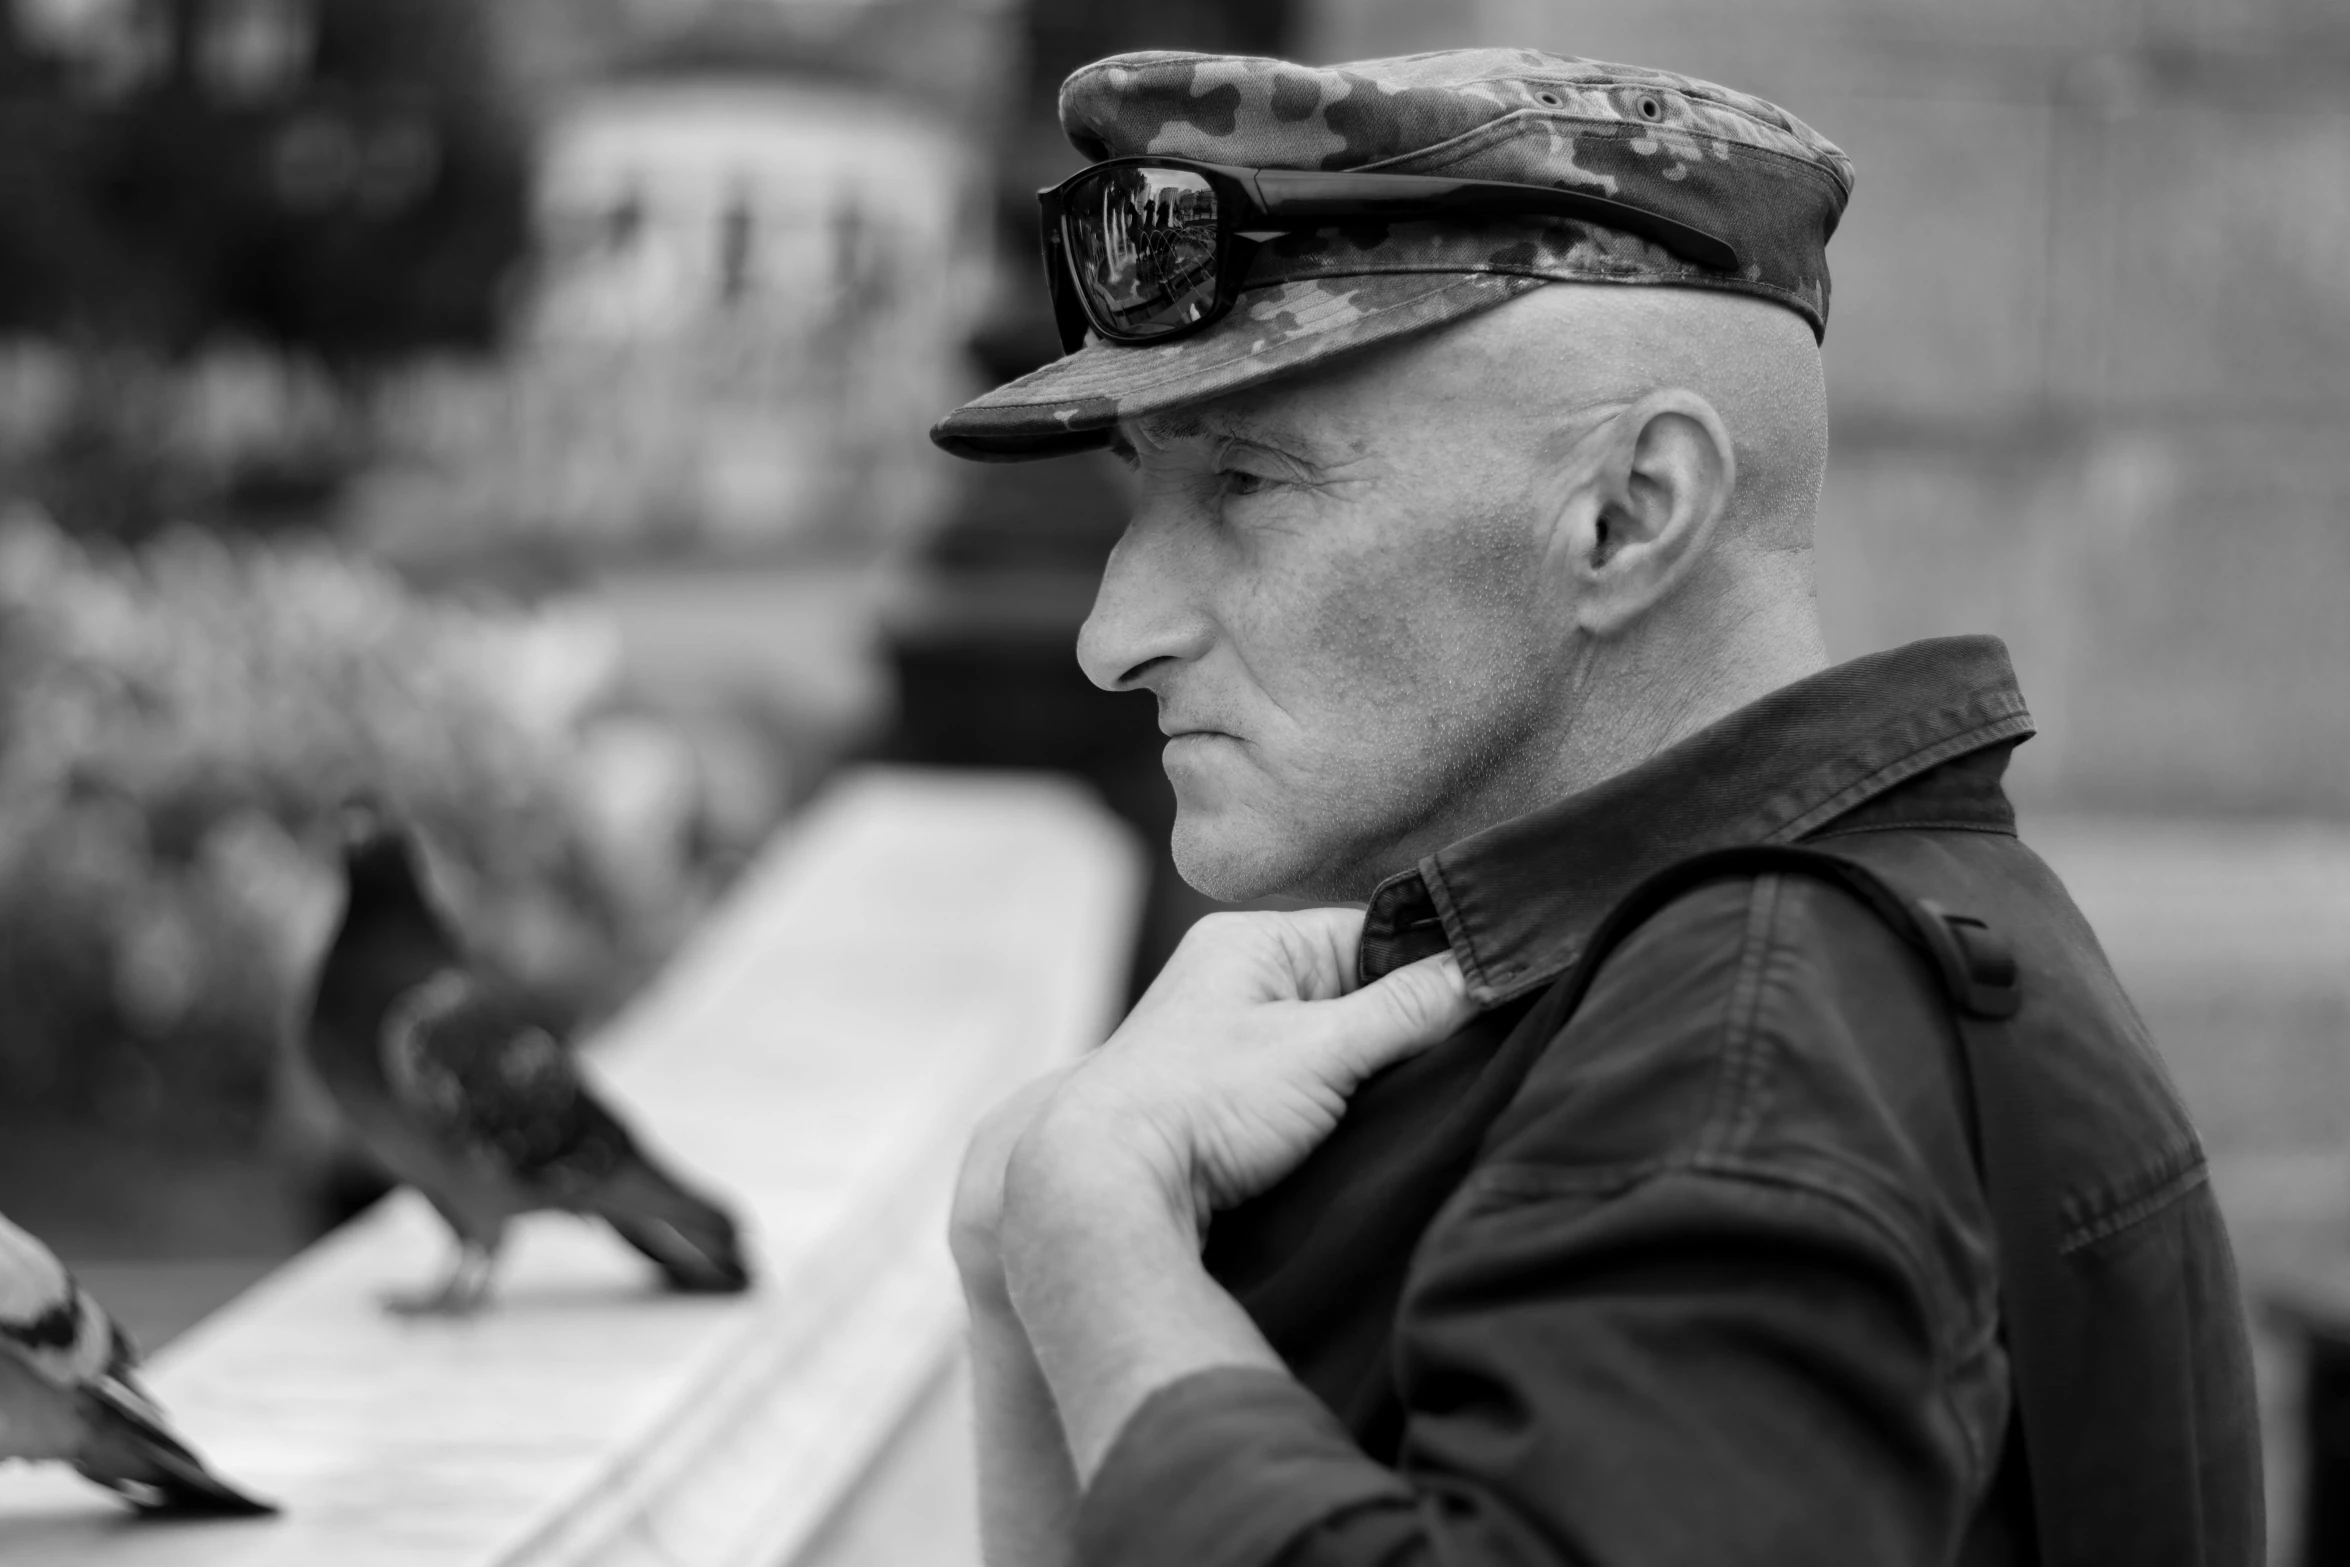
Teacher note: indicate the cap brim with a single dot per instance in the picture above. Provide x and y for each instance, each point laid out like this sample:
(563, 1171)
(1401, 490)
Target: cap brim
(1074, 403)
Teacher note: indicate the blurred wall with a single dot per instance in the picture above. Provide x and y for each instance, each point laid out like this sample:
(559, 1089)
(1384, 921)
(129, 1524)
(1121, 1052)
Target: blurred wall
(2090, 351)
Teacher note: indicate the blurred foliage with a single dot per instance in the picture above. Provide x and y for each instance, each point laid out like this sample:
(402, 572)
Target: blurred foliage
(122, 443)
(336, 176)
(188, 185)
(177, 725)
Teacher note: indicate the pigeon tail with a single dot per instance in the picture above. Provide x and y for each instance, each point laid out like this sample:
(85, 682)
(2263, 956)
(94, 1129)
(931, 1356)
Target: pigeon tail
(128, 1451)
(693, 1240)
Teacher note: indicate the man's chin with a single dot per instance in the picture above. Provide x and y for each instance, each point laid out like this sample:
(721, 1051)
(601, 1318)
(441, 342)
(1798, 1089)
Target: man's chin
(1219, 844)
(1228, 871)
(1237, 856)
(1238, 838)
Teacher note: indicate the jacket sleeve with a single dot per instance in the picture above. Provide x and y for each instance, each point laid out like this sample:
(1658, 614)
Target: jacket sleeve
(1696, 1307)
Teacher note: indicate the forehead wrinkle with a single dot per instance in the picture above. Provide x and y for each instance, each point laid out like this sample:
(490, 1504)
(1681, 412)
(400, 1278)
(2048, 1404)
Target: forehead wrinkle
(1259, 425)
(1164, 429)
(1271, 427)
(1316, 435)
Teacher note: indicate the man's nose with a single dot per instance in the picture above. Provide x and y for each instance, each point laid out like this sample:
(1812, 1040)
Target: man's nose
(1145, 614)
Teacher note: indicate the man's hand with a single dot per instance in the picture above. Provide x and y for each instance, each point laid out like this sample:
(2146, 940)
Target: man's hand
(1239, 1060)
(1234, 1066)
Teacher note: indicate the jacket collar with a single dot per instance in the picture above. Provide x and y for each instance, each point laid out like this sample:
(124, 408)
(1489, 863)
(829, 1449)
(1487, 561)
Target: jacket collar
(1517, 901)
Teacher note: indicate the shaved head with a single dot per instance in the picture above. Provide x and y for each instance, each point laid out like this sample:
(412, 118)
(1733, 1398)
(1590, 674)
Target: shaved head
(1419, 590)
(1566, 347)
(1756, 362)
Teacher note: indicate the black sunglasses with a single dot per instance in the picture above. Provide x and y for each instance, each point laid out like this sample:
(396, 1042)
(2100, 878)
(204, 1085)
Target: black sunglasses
(1144, 250)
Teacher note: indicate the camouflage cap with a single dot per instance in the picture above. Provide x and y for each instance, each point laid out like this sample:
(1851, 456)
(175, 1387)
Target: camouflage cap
(1718, 160)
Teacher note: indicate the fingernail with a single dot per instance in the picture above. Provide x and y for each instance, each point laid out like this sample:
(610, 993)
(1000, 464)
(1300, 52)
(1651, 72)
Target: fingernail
(1450, 967)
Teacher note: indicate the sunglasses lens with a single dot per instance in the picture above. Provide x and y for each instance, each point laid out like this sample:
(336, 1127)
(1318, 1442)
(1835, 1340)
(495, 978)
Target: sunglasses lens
(1143, 247)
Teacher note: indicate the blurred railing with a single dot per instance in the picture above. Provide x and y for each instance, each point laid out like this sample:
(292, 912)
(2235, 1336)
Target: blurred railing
(913, 948)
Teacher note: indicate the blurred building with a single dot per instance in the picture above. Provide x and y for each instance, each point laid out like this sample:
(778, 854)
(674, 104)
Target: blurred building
(746, 293)
(753, 271)
(796, 241)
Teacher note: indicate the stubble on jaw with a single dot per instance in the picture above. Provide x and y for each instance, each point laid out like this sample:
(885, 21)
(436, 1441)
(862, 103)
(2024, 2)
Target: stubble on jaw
(1433, 693)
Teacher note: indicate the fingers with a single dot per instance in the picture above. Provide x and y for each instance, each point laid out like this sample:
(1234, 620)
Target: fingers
(1321, 945)
(1401, 1014)
(1310, 956)
(1301, 955)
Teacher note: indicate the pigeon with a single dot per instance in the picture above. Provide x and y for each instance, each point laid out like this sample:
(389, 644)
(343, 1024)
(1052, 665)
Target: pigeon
(464, 1091)
(69, 1391)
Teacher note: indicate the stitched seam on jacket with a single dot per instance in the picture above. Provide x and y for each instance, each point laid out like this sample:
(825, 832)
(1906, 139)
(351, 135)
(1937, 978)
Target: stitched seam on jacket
(1765, 1048)
(1456, 930)
(1521, 1184)
(2016, 721)
(1954, 1346)
(1991, 829)
(2105, 1226)
(1737, 1070)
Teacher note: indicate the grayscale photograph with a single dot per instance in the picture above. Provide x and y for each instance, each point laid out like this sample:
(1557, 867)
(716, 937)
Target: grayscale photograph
(1220, 783)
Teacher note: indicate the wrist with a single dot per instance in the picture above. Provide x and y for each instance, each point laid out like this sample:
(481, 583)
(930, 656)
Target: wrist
(1102, 1262)
(992, 1327)
(1084, 1167)
(976, 1246)
(986, 1294)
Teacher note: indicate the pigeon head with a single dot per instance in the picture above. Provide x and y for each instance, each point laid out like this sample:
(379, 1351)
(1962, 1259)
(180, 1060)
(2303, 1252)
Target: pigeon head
(379, 851)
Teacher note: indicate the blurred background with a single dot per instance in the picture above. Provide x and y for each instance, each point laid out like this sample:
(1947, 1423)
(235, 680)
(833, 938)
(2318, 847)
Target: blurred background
(518, 406)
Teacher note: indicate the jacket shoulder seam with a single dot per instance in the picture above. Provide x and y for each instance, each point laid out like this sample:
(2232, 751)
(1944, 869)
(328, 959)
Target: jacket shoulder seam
(1731, 1114)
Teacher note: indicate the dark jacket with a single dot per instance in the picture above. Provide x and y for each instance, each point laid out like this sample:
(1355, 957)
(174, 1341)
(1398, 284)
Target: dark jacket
(1704, 1272)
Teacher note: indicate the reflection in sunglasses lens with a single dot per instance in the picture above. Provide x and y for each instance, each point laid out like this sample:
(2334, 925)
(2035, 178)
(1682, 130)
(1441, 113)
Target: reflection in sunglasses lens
(1143, 245)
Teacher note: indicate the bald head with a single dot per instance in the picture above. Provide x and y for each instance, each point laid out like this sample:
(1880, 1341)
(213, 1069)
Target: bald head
(1755, 362)
(1537, 363)
(1530, 368)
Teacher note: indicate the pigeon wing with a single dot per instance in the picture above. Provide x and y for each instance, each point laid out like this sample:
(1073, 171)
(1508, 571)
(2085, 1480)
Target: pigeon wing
(71, 1381)
(479, 1074)
(48, 1321)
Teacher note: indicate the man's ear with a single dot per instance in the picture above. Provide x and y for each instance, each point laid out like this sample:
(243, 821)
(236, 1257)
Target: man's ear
(1652, 485)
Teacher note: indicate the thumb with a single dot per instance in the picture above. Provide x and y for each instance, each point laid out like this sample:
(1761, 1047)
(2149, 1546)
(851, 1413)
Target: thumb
(1402, 1013)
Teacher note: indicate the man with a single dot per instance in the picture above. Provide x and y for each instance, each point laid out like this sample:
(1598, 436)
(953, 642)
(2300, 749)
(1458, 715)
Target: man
(1825, 1208)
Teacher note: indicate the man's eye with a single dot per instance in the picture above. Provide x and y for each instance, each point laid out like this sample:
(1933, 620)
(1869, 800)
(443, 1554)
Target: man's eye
(1238, 483)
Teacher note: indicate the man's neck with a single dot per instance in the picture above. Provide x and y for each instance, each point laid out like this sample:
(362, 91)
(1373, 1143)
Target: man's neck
(1634, 696)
